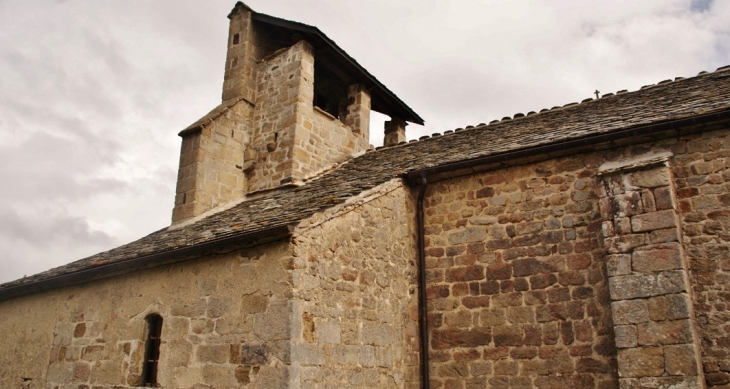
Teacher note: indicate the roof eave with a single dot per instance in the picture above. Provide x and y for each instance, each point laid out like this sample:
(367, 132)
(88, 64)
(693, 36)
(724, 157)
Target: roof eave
(413, 177)
(167, 257)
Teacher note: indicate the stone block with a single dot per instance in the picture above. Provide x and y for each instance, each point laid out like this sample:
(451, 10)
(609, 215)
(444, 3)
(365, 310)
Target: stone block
(622, 225)
(665, 332)
(530, 266)
(176, 352)
(499, 271)
(607, 228)
(219, 376)
(374, 334)
(472, 302)
(520, 315)
(647, 285)
(553, 382)
(551, 312)
(666, 235)
(629, 312)
(275, 323)
(217, 353)
(106, 372)
(542, 281)
(468, 235)
(618, 264)
(680, 360)
(465, 273)
(640, 362)
(669, 307)
(81, 371)
(63, 334)
(592, 365)
(187, 308)
(534, 367)
(625, 336)
(507, 300)
(675, 382)
(665, 257)
(556, 295)
(252, 354)
(201, 326)
(495, 353)
(506, 368)
(480, 368)
(653, 221)
(649, 178)
(663, 198)
(624, 243)
(308, 354)
(718, 378)
(492, 317)
(629, 204)
(234, 325)
(528, 228)
(93, 352)
(446, 339)
(647, 200)
(254, 303)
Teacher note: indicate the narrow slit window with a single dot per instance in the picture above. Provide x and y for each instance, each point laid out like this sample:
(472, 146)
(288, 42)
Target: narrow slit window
(152, 351)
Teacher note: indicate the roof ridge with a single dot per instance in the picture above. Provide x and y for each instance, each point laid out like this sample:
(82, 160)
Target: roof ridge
(519, 115)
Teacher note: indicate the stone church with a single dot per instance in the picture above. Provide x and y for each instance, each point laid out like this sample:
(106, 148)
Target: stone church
(584, 246)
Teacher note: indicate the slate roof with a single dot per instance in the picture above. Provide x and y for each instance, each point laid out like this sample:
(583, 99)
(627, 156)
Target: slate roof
(332, 56)
(663, 105)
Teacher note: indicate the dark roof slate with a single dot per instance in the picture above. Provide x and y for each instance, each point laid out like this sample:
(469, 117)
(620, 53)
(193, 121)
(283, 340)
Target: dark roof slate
(383, 100)
(682, 99)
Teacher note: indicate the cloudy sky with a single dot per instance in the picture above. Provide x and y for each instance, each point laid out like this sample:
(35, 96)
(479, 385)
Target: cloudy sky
(94, 92)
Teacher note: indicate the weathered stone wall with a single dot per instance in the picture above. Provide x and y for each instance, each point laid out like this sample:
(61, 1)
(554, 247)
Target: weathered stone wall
(211, 160)
(226, 323)
(280, 83)
(701, 176)
(355, 295)
(323, 141)
(291, 139)
(520, 261)
(517, 286)
(239, 79)
(647, 269)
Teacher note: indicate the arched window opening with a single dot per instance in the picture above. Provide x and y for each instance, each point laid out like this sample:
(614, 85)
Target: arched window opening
(152, 350)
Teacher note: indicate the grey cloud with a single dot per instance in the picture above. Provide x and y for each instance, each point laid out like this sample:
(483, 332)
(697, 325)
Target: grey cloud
(700, 5)
(49, 229)
(47, 168)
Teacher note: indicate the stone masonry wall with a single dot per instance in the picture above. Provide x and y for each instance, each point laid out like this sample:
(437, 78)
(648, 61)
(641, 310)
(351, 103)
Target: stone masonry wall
(291, 140)
(279, 85)
(702, 178)
(226, 324)
(241, 57)
(323, 141)
(211, 160)
(517, 291)
(518, 272)
(647, 269)
(355, 296)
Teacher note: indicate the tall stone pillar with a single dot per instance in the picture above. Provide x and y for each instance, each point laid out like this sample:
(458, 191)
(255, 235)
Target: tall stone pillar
(395, 132)
(652, 312)
(239, 80)
(358, 110)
